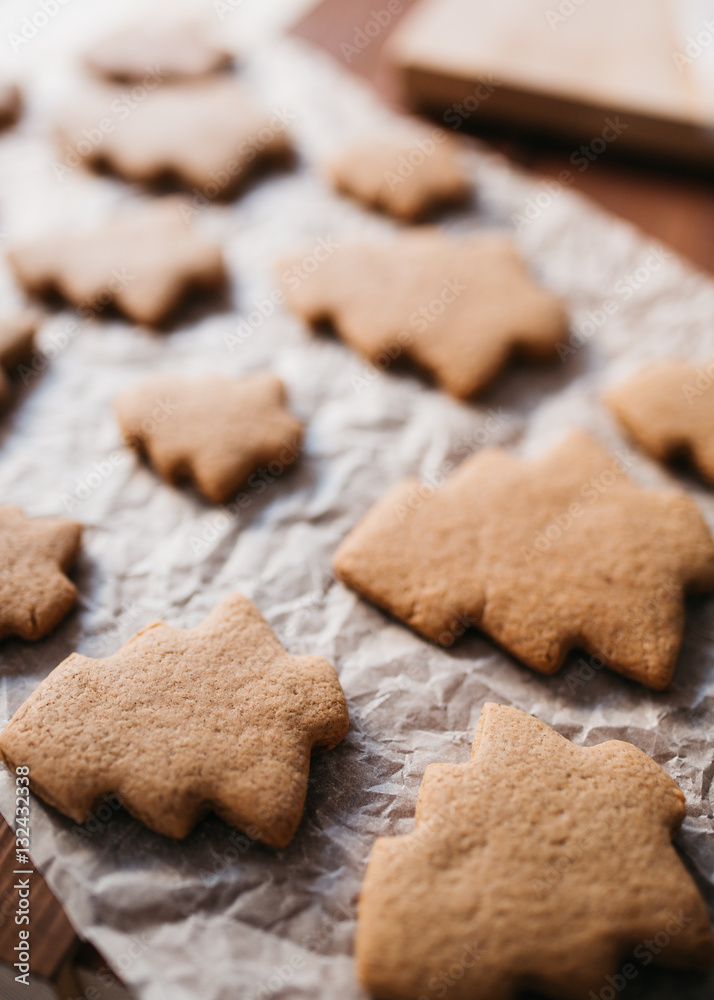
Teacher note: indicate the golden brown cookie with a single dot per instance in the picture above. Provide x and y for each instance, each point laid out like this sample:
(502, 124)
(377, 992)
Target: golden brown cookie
(10, 104)
(179, 722)
(17, 335)
(537, 865)
(406, 180)
(35, 555)
(207, 135)
(173, 51)
(669, 410)
(216, 431)
(144, 261)
(459, 308)
(544, 556)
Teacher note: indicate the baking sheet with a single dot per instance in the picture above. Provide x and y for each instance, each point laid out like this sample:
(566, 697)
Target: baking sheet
(215, 917)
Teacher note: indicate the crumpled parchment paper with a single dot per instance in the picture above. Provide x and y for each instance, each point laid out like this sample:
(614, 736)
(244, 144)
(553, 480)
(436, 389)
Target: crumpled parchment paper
(215, 917)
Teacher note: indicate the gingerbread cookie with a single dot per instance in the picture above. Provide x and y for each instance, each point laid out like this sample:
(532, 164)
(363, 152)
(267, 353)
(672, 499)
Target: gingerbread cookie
(669, 410)
(145, 262)
(216, 431)
(459, 308)
(173, 51)
(17, 336)
(10, 104)
(35, 555)
(179, 722)
(406, 180)
(544, 556)
(537, 865)
(207, 135)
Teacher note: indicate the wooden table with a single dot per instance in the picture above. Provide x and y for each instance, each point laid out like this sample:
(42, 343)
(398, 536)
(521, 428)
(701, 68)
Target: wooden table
(53, 939)
(671, 203)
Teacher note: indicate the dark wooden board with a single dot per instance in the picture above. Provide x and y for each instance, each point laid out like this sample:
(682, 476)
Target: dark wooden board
(52, 937)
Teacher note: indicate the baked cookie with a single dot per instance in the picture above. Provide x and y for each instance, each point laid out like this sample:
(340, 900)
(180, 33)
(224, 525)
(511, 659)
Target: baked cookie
(10, 104)
(179, 722)
(459, 308)
(669, 410)
(216, 431)
(406, 180)
(174, 51)
(35, 555)
(17, 336)
(544, 556)
(207, 135)
(145, 261)
(537, 865)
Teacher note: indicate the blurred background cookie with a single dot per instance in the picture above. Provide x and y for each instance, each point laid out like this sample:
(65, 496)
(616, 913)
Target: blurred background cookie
(175, 50)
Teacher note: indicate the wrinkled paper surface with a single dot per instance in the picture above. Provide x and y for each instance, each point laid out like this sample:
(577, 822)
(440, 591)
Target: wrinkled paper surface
(215, 917)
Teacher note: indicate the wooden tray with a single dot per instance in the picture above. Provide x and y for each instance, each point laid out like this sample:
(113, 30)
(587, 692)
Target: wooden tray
(565, 67)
